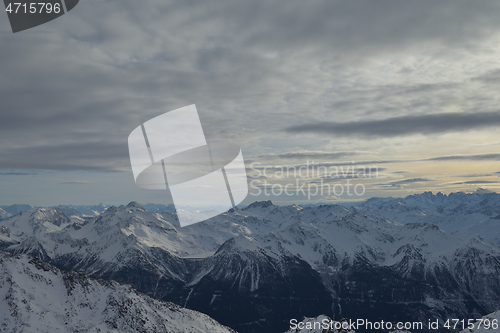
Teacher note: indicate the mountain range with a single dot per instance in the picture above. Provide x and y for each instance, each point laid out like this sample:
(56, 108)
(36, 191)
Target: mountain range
(81, 212)
(253, 269)
(477, 212)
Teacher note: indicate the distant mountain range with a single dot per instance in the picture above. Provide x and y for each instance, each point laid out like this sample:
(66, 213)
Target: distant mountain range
(253, 269)
(78, 211)
(477, 212)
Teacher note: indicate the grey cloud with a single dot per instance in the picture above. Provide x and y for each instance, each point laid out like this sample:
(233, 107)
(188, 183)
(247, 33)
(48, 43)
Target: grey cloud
(72, 93)
(92, 156)
(364, 24)
(402, 182)
(372, 163)
(404, 125)
(477, 182)
(15, 173)
(77, 182)
(409, 181)
(472, 157)
(471, 175)
(305, 155)
(490, 77)
(476, 157)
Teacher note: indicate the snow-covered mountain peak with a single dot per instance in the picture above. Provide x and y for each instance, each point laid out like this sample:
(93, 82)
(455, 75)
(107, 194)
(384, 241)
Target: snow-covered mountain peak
(36, 221)
(50, 215)
(136, 205)
(259, 205)
(122, 228)
(124, 216)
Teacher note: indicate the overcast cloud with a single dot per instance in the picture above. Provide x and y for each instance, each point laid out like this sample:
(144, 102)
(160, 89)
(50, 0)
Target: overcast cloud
(324, 80)
(405, 125)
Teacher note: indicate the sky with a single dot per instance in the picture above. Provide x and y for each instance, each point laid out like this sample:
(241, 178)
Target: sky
(409, 89)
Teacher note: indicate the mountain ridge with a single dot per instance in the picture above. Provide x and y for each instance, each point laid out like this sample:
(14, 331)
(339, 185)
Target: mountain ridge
(327, 259)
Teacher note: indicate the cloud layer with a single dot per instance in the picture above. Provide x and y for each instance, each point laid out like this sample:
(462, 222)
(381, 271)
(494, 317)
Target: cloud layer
(404, 125)
(261, 73)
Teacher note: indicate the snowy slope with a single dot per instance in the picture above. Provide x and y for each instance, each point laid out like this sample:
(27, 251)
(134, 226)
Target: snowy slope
(489, 324)
(12, 210)
(4, 214)
(37, 297)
